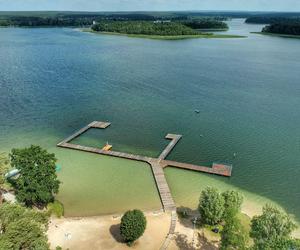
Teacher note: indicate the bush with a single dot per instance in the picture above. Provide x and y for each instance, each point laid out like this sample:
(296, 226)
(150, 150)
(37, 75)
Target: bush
(56, 208)
(133, 225)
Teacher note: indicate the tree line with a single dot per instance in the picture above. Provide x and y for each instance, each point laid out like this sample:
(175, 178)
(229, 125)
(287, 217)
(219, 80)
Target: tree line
(205, 23)
(274, 18)
(87, 19)
(289, 27)
(145, 28)
(269, 231)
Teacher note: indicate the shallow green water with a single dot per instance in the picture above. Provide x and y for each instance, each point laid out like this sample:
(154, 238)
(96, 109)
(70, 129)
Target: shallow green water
(54, 81)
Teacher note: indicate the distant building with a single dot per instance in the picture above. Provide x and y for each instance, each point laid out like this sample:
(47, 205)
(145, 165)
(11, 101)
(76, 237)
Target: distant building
(162, 21)
(94, 22)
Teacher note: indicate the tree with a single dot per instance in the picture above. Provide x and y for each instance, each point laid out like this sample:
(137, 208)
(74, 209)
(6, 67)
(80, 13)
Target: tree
(133, 225)
(24, 234)
(233, 235)
(232, 202)
(290, 244)
(4, 167)
(211, 206)
(38, 181)
(271, 228)
(22, 228)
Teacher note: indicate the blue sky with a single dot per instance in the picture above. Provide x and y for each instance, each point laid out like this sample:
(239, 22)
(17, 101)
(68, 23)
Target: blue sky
(125, 5)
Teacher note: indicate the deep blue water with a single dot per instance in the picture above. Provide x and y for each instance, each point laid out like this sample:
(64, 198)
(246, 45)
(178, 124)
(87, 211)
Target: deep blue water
(55, 80)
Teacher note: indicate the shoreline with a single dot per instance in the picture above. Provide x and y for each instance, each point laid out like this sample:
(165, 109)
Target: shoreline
(102, 231)
(249, 209)
(158, 37)
(277, 35)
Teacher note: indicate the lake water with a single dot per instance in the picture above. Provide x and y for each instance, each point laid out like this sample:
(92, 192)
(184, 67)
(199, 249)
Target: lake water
(56, 80)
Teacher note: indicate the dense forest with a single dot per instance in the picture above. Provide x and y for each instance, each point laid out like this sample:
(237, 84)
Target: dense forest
(160, 28)
(88, 19)
(155, 23)
(290, 27)
(274, 18)
(205, 23)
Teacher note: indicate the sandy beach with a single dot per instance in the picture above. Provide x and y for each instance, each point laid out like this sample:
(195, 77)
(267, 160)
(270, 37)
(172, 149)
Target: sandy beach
(102, 232)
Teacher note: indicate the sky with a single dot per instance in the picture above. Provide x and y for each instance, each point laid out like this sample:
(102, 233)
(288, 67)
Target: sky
(139, 5)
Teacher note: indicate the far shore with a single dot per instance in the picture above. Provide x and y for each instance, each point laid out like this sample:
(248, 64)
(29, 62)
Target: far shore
(277, 35)
(157, 37)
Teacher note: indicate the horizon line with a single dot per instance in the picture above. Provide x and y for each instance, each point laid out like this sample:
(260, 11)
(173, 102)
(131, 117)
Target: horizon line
(99, 11)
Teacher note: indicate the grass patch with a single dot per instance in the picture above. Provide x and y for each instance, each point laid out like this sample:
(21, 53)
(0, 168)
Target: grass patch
(157, 37)
(246, 223)
(56, 208)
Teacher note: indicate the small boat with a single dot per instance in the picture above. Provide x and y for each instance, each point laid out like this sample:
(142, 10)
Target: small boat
(197, 111)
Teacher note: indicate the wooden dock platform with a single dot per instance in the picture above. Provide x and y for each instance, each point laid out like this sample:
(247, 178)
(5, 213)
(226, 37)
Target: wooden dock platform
(217, 169)
(94, 124)
(171, 145)
(157, 166)
(162, 186)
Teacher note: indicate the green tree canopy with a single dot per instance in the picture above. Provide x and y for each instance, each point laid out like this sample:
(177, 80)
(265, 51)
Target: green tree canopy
(272, 228)
(133, 225)
(4, 167)
(211, 206)
(38, 181)
(233, 202)
(22, 228)
(233, 235)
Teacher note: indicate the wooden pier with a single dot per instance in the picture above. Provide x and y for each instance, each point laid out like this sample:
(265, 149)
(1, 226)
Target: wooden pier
(157, 166)
(171, 145)
(162, 186)
(94, 124)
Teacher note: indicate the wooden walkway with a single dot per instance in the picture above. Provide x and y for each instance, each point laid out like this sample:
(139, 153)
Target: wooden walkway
(162, 186)
(157, 166)
(94, 124)
(171, 145)
(217, 169)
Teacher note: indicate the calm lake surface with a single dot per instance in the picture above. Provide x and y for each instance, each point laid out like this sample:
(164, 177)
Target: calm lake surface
(56, 80)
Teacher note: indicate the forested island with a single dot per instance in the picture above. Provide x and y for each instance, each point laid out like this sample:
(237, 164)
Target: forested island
(278, 24)
(145, 28)
(165, 29)
(291, 27)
